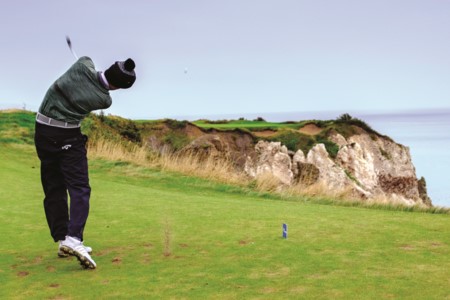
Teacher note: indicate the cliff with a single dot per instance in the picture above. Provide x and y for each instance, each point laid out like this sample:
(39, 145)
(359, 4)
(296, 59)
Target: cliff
(340, 155)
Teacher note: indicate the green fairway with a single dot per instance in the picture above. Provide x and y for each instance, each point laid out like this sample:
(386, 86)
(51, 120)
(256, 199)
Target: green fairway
(159, 235)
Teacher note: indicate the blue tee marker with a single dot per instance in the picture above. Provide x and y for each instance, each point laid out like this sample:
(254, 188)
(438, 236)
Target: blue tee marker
(285, 231)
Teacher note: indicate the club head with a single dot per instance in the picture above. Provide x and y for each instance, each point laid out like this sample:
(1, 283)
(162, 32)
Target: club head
(68, 41)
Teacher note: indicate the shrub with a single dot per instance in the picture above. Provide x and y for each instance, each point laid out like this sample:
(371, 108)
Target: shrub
(385, 154)
(320, 123)
(174, 124)
(176, 140)
(291, 139)
(101, 116)
(331, 147)
(345, 117)
(131, 132)
(349, 120)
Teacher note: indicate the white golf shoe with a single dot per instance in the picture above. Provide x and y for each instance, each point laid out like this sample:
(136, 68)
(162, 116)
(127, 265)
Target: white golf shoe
(62, 254)
(72, 246)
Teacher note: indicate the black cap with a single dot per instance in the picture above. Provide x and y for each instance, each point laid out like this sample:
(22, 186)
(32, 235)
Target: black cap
(121, 74)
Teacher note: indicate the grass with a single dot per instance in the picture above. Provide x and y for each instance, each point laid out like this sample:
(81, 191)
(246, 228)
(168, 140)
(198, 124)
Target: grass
(163, 235)
(239, 124)
(17, 126)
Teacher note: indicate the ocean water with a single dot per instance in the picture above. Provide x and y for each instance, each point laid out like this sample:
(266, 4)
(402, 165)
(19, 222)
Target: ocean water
(425, 132)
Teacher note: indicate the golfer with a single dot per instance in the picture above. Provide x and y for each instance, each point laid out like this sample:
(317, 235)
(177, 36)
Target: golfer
(61, 147)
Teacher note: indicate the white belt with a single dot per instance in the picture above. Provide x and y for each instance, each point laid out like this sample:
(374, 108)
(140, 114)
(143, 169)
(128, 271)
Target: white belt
(40, 118)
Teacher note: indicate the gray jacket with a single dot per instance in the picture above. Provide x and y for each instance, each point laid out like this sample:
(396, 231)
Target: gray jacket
(76, 93)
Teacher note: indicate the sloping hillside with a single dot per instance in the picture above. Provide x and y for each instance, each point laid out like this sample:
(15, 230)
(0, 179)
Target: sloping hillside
(356, 159)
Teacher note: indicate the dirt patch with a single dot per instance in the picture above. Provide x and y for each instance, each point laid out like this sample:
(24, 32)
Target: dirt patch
(148, 245)
(244, 242)
(51, 269)
(282, 272)
(184, 245)
(407, 247)
(269, 290)
(145, 258)
(23, 273)
(58, 297)
(232, 145)
(116, 260)
(298, 290)
(37, 260)
(264, 133)
(310, 129)
(193, 131)
(54, 285)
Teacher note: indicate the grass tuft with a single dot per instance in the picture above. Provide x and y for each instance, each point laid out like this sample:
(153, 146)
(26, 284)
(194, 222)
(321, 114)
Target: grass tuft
(167, 238)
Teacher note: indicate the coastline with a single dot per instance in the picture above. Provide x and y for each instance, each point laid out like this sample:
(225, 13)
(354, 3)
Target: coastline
(425, 132)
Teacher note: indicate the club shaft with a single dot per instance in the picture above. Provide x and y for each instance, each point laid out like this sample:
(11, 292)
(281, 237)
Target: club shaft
(74, 54)
(69, 43)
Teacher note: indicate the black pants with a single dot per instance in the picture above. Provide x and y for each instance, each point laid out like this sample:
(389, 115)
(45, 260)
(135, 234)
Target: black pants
(64, 168)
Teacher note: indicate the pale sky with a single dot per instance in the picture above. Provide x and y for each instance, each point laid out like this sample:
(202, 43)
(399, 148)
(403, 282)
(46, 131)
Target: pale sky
(242, 57)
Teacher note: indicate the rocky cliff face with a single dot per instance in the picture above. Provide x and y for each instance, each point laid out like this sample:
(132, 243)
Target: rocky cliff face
(232, 145)
(351, 157)
(370, 167)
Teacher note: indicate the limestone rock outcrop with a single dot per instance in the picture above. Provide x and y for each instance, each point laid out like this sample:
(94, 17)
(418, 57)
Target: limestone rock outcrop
(270, 157)
(370, 167)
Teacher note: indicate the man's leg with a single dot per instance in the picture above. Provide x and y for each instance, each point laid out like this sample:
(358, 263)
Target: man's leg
(74, 167)
(55, 201)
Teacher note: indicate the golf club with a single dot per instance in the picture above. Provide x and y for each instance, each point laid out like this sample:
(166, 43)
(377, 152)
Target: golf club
(69, 43)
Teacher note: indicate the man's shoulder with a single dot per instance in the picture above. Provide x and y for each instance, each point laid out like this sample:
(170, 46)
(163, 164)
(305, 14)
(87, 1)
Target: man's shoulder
(87, 61)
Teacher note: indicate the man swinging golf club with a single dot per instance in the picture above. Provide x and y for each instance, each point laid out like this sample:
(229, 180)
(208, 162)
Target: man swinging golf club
(61, 147)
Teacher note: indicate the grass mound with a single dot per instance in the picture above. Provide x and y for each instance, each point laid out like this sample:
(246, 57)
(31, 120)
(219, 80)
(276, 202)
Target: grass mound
(17, 126)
